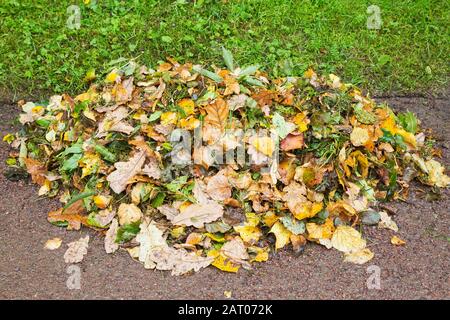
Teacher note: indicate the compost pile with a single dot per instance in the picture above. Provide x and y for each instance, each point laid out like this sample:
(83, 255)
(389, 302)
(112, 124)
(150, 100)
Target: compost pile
(185, 166)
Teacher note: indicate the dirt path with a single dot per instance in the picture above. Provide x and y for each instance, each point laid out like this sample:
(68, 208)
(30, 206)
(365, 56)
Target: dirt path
(418, 270)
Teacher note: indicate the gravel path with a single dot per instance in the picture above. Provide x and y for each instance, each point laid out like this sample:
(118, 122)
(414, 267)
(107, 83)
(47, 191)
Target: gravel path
(417, 271)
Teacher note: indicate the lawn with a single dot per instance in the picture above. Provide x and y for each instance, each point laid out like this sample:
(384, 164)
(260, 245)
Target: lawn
(39, 53)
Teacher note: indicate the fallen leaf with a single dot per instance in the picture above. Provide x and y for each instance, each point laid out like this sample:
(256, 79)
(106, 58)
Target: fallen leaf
(347, 240)
(77, 250)
(282, 235)
(397, 241)
(292, 141)
(359, 257)
(53, 244)
(128, 213)
(218, 187)
(118, 179)
(110, 239)
(387, 222)
(198, 214)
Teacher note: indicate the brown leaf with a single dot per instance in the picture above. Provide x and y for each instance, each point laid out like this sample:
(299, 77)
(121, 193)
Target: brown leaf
(118, 179)
(217, 114)
(292, 141)
(265, 97)
(36, 169)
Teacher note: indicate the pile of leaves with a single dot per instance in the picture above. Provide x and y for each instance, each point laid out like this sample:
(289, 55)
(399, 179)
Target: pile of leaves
(317, 158)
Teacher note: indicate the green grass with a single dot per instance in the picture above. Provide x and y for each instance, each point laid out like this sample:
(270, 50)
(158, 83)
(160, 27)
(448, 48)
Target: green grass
(409, 54)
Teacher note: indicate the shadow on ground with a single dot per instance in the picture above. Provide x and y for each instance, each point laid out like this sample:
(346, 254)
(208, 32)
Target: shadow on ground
(418, 270)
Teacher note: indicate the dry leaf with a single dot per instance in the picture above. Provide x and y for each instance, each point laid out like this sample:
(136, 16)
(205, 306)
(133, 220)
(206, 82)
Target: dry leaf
(77, 250)
(218, 187)
(110, 239)
(282, 235)
(53, 244)
(128, 213)
(217, 114)
(359, 257)
(292, 141)
(387, 222)
(198, 214)
(359, 136)
(397, 241)
(347, 240)
(125, 171)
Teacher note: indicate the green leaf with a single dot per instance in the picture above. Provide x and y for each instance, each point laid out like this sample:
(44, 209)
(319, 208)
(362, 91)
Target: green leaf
(155, 116)
(105, 153)
(228, 58)
(71, 163)
(208, 74)
(77, 197)
(127, 232)
(248, 71)
(177, 184)
(158, 200)
(294, 226)
(281, 126)
(408, 121)
(253, 82)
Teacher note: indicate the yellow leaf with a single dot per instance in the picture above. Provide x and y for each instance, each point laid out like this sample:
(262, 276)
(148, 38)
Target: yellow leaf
(436, 174)
(222, 263)
(90, 164)
(248, 233)
(187, 105)
(112, 76)
(265, 145)
(169, 118)
(307, 210)
(128, 213)
(282, 235)
(53, 244)
(347, 240)
(320, 231)
(102, 201)
(215, 237)
(177, 232)
(262, 254)
(270, 218)
(189, 124)
(359, 136)
(301, 121)
(359, 257)
(397, 241)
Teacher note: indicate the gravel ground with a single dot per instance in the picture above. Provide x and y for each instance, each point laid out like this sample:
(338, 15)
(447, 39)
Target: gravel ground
(419, 270)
